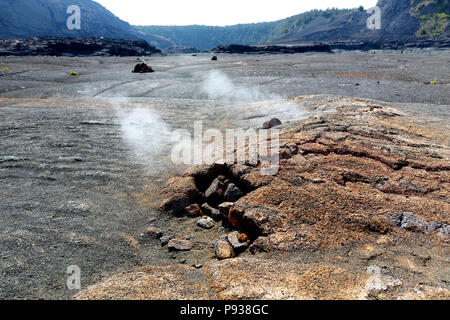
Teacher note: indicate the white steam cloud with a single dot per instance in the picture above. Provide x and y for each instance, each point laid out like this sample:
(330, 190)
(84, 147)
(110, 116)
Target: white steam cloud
(217, 85)
(150, 138)
(251, 102)
(147, 134)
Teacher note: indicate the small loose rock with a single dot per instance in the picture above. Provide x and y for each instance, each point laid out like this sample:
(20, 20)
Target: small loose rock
(223, 250)
(233, 239)
(193, 210)
(179, 245)
(154, 232)
(206, 223)
(212, 212)
(242, 237)
(165, 240)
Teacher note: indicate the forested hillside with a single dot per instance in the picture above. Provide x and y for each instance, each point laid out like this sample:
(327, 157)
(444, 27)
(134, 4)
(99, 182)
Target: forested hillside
(402, 20)
(207, 37)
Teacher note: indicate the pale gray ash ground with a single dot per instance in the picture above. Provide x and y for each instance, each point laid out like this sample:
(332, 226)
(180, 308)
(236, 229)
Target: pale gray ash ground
(82, 158)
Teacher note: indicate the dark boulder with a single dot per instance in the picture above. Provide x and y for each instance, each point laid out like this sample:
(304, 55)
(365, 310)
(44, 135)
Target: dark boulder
(214, 193)
(212, 212)
(233, 193)
(272, 123)
(143, 68)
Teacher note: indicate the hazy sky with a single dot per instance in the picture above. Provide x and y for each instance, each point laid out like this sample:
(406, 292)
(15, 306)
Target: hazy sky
(220, 12)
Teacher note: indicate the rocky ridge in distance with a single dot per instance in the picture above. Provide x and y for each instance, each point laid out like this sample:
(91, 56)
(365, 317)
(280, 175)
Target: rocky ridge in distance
(244, 49)
(54, 46)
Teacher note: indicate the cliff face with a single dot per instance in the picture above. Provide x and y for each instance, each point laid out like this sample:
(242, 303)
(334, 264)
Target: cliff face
(401, 20)
(51, 46)
(32, 18)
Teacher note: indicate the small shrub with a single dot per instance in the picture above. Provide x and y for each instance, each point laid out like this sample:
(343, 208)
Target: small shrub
(423, 32)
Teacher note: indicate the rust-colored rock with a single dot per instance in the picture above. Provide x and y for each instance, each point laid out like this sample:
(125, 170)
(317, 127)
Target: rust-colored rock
(224, 209)
(193, 210)
(242, 237)
(234, 238)
(235, 219)
(352, 170)
(178, 193)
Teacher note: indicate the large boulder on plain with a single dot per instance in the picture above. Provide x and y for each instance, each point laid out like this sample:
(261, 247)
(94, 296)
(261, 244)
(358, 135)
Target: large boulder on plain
(272, 123)
(143, 68)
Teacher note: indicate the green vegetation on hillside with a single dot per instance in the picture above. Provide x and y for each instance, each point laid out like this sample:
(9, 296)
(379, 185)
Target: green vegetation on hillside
(207, 37)
(299, 22)
(427, 18)
(434, 16)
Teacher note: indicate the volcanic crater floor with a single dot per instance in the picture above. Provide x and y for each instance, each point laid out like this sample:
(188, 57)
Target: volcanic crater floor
(362, 186)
